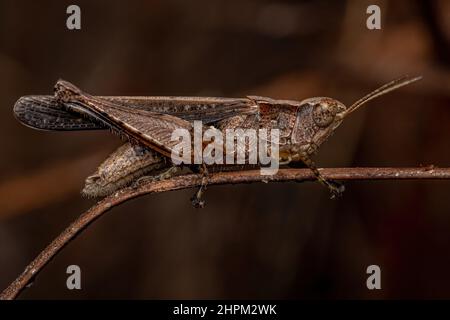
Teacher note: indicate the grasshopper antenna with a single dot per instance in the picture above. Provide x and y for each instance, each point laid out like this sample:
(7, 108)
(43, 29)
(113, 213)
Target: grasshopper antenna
(388, 87)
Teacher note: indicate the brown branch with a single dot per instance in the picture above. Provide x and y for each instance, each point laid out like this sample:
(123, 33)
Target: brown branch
(194, 180)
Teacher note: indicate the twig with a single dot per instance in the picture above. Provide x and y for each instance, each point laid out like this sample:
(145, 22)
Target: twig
(194, 180)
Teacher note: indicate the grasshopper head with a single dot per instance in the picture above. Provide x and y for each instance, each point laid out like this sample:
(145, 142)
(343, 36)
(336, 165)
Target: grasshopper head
(317, 118)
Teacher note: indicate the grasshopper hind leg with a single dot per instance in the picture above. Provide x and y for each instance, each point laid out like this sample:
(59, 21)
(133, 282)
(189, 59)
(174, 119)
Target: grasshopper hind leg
(126, 166)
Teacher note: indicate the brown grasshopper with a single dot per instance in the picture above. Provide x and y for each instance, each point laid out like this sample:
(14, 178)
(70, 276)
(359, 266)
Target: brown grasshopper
(147, 124)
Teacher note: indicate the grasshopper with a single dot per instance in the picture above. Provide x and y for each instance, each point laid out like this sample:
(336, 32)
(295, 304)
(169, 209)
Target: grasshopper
(147, 123)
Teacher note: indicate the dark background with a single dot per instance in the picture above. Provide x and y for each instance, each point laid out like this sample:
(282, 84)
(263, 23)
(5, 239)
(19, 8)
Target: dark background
(251, 241)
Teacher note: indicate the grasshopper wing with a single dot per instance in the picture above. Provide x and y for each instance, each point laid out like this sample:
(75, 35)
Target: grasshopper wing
(46, 113)
(151, 129)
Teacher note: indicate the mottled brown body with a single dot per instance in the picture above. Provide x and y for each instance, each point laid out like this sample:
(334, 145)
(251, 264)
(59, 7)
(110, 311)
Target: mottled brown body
(148, 122)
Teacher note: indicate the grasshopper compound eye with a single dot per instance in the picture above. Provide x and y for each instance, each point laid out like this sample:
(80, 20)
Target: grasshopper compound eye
(325, 110)
(323, 114)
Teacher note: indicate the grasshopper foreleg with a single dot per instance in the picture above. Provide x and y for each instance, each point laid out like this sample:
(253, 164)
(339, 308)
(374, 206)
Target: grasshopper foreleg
(336, 189)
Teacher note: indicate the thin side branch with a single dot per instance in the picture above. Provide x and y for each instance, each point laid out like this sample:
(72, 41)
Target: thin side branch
(194, 180)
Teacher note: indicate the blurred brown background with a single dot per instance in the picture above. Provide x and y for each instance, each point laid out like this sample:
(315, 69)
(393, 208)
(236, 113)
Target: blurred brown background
(251, 241)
